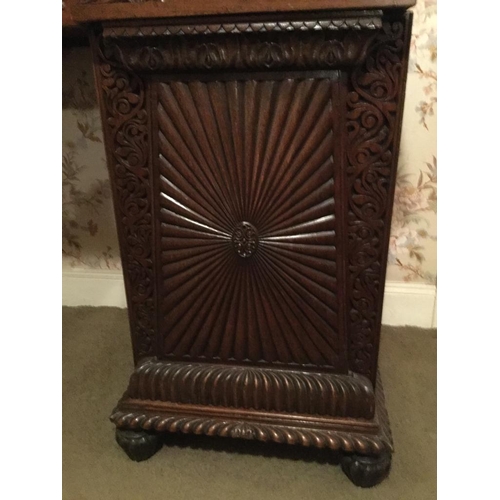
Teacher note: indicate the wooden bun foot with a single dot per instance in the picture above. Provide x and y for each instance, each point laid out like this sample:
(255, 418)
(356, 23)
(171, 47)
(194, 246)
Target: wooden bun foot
(366, 471)
(138, 445)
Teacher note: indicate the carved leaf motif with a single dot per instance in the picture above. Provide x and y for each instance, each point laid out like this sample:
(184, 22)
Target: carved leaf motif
(314, 50)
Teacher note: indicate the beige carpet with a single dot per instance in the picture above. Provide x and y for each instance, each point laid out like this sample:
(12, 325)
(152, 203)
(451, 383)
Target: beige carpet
(96, 364)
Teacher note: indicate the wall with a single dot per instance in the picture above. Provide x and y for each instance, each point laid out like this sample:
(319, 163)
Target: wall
(89, 239)
(412, 253)
(90, 245)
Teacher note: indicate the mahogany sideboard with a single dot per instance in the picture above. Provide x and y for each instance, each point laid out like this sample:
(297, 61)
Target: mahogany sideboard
(252, 149)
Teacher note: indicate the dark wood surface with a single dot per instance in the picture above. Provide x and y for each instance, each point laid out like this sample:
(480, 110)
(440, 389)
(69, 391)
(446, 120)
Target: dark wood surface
(72, 32)
(67, 18)
(253, 173)
(312, 393)
(100, 10)
(247, 220)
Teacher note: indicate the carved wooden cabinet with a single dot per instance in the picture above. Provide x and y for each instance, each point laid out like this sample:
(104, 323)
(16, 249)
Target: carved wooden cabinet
(253, 161)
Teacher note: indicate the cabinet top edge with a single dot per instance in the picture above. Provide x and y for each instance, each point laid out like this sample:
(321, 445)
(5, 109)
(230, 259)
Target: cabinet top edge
(111, 10)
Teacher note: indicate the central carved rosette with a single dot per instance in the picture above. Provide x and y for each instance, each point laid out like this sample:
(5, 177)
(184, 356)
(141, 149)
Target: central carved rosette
(245, 239)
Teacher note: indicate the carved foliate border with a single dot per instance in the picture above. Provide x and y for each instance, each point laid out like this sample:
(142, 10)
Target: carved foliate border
(125, 124)
(314, 50)
(374, 110)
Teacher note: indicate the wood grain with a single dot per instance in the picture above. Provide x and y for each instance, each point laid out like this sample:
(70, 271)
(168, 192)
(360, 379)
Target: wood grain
(258, 153)
(100, 10)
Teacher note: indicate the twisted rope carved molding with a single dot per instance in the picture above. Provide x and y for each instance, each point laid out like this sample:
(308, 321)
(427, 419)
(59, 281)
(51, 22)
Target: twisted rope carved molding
(259, 389)
(126, 127)
(356, 23)
(372, 117)
(335, 440)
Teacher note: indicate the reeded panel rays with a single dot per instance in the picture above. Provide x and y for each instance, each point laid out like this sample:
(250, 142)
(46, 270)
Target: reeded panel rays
(247, 221)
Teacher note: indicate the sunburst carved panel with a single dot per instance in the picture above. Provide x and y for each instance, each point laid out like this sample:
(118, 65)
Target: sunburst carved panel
(247, 222)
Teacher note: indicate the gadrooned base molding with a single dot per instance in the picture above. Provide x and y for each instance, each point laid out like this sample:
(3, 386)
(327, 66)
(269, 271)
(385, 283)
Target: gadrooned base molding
(147, 411)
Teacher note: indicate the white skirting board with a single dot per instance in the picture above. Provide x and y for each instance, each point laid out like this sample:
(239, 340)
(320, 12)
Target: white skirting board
(412, 304)
(95, 288)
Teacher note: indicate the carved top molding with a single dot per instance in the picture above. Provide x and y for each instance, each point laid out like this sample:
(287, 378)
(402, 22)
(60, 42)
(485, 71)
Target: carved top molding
(308, 50)
(357, 23)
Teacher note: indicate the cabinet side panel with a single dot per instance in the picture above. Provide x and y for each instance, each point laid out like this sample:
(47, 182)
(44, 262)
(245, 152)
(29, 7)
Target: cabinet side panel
(124, 109)
(374, 113)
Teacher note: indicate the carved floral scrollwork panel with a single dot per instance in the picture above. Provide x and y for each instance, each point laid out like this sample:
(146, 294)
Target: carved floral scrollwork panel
(372, 124)
(123, 102)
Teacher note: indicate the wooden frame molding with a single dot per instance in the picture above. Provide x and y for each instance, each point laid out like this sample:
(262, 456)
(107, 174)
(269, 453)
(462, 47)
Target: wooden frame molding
(101, 10)
(369, 20)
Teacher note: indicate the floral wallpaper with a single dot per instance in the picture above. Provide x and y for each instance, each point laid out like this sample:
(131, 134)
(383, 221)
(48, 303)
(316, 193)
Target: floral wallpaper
(89, 233)
(412, 248)
(89, 238)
